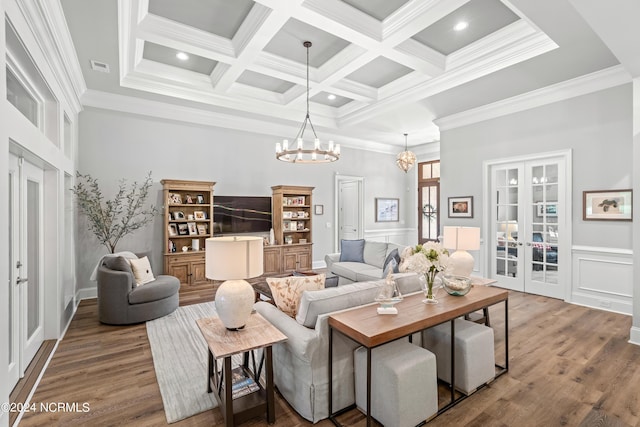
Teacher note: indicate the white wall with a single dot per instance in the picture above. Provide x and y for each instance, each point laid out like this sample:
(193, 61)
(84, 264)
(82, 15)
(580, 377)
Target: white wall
(597, 128)
(115, 145)
(45, 148)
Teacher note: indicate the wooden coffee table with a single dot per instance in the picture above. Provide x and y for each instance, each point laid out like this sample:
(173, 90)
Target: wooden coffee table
(223, 343)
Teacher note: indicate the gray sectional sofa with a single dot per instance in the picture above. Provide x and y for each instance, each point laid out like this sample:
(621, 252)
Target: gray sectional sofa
(301, 363)
(370, 268)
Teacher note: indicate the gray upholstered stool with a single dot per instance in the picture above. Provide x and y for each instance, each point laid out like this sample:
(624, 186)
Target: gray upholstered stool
(404, 387)
(475, 359)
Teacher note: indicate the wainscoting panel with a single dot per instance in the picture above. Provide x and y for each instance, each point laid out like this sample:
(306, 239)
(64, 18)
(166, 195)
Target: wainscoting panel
(603, 278)
(401, 236)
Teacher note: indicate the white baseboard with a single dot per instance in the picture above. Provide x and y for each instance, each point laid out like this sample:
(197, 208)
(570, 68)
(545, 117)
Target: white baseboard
(86, 293)
(634, 335)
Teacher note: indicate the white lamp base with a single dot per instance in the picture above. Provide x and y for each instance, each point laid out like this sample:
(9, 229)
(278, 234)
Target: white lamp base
(460, 263)
(234, 302)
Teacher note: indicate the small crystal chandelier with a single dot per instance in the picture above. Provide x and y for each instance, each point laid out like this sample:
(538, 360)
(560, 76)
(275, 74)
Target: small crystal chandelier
(300, 154)
(406, 159)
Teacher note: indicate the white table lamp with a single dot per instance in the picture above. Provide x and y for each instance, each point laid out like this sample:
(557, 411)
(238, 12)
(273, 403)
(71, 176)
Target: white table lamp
(234, 259)
(462, 239)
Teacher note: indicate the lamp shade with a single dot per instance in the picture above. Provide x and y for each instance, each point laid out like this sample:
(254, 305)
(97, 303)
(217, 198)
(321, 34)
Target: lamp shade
(461, 238)
(234, 257)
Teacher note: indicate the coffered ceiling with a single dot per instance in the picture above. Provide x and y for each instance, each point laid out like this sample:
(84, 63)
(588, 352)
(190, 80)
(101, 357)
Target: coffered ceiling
(378, 68)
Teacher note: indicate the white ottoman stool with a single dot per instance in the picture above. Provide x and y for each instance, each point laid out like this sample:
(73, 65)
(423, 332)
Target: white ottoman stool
(475, 359)
(404, 387)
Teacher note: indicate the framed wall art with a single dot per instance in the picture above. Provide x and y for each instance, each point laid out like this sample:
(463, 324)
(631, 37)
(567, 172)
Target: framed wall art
(607, 205)
(461, 207)
(387, 210)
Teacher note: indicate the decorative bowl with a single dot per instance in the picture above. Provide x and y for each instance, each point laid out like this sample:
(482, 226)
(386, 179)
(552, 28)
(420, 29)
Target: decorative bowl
(456, 285)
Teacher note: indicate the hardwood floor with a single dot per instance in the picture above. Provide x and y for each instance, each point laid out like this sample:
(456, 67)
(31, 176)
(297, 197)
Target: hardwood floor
(569, 366)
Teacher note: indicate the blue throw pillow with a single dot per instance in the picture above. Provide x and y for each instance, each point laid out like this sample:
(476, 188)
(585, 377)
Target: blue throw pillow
(394, 254)
(352, 250)
(391, 267)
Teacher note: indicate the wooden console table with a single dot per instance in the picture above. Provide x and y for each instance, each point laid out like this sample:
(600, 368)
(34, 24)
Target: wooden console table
(222, 343)
(371, 330)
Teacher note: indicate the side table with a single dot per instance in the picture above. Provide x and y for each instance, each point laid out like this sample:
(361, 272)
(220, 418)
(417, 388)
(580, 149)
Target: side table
(222, 344)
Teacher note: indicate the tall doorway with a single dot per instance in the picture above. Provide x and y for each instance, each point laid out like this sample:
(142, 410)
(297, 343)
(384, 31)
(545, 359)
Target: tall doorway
(26, 302)
(428, 201)
(349, 208)
(528, 232)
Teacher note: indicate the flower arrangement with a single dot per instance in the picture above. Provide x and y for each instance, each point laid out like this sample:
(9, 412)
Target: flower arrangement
(428, 259)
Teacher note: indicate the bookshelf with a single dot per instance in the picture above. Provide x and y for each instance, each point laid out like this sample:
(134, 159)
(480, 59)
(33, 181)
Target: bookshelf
(292, 226)
(188, 221)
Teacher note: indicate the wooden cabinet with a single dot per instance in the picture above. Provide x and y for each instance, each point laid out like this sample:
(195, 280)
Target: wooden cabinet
(272, 260)
(188, 221)
(291, 209)
(292, 226)
(296, 257)
(287, 258)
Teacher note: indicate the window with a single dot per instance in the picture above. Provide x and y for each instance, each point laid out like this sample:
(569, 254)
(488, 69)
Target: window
(21, 98)
(429, 200)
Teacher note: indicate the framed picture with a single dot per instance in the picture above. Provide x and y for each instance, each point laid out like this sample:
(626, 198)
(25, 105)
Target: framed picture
(193, 230)
(387, 210)
(461, 207)
(178, 215)
(200, 199)
(189, 199)
(198, 215)
(318, 209)
(609, 205)
(174, 199)
(173, 230)
(287, 214)
(183, 229)
(202, 229)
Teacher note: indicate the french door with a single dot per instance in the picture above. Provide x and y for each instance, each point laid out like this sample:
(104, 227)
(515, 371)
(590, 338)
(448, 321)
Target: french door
(528, 232)
(26, 303)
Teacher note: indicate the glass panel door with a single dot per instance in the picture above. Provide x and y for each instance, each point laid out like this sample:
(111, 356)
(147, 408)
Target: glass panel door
(506, 225)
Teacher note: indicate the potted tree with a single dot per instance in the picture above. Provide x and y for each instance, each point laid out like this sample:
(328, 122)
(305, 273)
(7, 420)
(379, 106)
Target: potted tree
(111, 220)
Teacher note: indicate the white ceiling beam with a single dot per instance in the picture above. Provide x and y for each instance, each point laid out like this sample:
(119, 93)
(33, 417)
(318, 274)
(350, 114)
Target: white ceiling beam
(258, 28)
(514, 53)
(413, 17)
(179, 36)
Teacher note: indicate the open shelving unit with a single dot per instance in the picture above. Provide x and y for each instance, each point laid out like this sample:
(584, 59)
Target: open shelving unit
(292, 226)
(188, 221)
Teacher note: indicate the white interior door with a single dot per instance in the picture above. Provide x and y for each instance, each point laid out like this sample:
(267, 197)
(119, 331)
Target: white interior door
(26, 264)
(528, 226)
(349, 212)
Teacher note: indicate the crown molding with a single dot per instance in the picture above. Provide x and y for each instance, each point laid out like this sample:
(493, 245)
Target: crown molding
(593, 82)
(166, 111)
(47, 23)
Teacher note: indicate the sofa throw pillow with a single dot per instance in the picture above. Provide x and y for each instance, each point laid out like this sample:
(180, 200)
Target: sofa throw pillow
(117, 263)
(352, 250)
(391, 267)
(395, 255)
(142, 270)
(287, 291)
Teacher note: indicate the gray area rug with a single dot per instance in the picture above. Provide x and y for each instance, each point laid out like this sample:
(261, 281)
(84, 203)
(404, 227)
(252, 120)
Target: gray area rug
(180, 360)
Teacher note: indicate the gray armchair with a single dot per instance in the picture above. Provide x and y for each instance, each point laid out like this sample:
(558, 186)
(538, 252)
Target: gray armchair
(120, 302)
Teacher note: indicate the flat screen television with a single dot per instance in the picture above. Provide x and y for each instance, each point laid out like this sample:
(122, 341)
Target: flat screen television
(241, 214)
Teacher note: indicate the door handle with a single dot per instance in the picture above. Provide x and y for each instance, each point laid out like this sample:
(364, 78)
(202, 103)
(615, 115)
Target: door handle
(21, 280)
(528, 243)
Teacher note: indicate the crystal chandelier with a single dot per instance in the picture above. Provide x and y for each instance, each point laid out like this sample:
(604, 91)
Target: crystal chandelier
(299, 154)
(406, 159)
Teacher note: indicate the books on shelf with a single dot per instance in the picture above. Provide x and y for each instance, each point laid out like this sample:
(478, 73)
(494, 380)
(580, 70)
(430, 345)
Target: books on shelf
(242, 384)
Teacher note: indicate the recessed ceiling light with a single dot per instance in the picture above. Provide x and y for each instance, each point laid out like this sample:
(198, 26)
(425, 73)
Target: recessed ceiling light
(331, 97)
(182, 56)
(461, 26)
